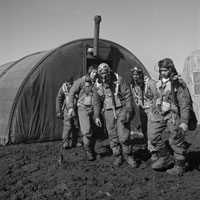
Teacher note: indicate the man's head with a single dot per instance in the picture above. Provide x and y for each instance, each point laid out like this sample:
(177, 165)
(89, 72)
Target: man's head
(104, 72)
(166, 68)
(92, 71)
(137, 74)
(69, 82)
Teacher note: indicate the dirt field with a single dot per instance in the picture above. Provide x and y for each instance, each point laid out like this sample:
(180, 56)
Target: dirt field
(31, 171)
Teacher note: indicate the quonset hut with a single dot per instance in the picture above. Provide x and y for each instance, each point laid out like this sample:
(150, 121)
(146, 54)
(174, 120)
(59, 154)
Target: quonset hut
(191, 75)
(29, 86)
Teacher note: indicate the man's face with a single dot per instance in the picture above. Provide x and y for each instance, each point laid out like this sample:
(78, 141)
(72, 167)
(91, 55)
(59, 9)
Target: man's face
(105, 76)
(69, 84)
(136, 76)
(164, 72)
(93, 74)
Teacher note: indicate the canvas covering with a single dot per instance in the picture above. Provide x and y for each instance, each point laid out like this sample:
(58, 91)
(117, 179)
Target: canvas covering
(28, 88)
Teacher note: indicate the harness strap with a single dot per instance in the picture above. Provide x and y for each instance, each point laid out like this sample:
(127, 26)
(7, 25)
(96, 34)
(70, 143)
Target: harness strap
(65, 89)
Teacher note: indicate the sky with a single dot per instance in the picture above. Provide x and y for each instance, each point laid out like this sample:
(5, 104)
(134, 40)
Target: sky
(150, 29)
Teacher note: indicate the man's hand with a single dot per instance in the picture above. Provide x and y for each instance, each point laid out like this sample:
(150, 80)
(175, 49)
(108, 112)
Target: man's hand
(127, 117)
(184, 126)
(70, 112)
(60, 115)
(98, 122)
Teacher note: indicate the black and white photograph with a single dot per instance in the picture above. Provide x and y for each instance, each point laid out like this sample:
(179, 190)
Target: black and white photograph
(100, 100)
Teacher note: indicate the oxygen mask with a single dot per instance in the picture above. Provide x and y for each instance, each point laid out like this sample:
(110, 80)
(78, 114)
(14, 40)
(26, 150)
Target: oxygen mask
(104, 72)
(105, 77)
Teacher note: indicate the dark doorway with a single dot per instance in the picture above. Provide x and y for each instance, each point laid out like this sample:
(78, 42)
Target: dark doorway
(90, 62)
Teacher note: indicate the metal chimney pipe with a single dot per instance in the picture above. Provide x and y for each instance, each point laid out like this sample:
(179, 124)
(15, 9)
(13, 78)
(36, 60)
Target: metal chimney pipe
(97, 20)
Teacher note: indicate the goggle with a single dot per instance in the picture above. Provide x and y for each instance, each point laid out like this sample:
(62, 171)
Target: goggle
(136, 69)
(103, 67)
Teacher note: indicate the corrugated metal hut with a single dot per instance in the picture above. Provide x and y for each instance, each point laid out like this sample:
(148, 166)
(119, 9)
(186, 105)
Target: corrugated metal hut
(28, 87)
(191, 75)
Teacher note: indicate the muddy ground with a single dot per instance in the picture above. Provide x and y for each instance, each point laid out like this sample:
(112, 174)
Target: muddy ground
(31, 171)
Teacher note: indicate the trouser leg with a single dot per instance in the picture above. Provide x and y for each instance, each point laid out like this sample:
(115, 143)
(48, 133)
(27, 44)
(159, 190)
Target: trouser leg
(119, 135)
(85, 125)
(155, 129)
(176, 142)
(75, 131)
(67, 128)
(123, 131)
(111, 125)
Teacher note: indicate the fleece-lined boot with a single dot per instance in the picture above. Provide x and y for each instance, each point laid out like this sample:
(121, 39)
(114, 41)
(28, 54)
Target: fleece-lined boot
(89, 153)
(118, 160)
(130, 160)
(77, 141)
(163, 162)
(79, 144)
(178, 169)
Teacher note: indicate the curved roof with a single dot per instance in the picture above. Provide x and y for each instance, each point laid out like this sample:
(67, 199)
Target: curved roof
(11, 78)
(191, 75)
(24, 85)
(4, 68)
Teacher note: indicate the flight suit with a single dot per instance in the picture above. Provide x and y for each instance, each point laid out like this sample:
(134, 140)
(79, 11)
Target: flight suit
(83, 87)
(116, 101)
(70, 124)
(166, 113)
(143, 102)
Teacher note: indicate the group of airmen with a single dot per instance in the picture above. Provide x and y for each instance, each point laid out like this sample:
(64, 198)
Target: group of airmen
(104, 98)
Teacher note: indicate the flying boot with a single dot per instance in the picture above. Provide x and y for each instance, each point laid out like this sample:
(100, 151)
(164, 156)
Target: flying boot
(118, 160)
(178, 169)
(89, 153)
(77, 142)
(130, 160)
(164, 161)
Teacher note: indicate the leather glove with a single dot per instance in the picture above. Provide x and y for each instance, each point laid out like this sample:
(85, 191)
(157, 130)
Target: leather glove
(70, 112)
(184, 126)
(60, 116)
(128, 116)
(98, 122)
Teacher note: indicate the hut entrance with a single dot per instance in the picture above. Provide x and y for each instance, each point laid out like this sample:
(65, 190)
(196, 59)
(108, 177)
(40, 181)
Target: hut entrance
(90, 62)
